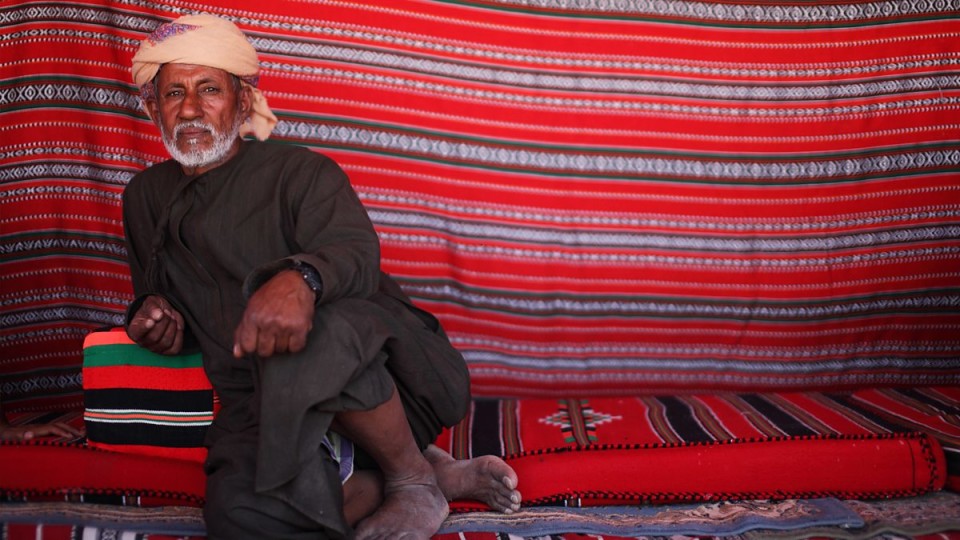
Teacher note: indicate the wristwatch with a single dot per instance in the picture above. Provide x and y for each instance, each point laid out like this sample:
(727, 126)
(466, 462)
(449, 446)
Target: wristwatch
(311, 277)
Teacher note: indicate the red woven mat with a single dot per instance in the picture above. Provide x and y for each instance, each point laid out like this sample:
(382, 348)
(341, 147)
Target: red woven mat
(710, 447)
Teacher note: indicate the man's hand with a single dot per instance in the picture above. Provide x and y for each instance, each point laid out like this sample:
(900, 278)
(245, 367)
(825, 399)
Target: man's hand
(157, 326)
(30, 431)
(278, 317)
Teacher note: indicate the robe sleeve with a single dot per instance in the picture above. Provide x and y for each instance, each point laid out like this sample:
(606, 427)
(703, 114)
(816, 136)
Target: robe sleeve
(139, 227)
(332, 232)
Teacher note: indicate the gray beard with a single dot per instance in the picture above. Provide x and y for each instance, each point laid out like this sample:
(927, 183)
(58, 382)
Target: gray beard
(198, 157)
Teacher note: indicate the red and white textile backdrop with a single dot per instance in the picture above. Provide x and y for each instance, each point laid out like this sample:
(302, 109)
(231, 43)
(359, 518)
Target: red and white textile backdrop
(594, 196)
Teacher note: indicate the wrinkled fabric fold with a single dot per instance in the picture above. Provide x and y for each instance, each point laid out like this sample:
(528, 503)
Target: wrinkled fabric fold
(360, 350)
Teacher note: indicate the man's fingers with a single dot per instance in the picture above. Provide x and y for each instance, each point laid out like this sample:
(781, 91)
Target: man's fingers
(148, 325)
(245, 341)
(168, 342)
(281, 344)
(57, 429)
(137, 328)
(62, 430)
(266, 344)
(158, 327)
(177, 340)
(70, 430)
(156, 338)
(297, 342)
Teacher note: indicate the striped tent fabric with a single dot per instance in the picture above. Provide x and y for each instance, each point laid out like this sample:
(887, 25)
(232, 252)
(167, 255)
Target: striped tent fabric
(595, 197)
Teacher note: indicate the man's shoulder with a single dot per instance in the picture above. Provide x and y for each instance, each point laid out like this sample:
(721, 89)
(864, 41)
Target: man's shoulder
(283, 151)
(291, 164)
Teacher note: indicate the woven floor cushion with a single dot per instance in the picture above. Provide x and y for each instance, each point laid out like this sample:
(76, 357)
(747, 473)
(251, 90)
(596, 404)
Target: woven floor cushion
(872, 443)
(934, 410)
(44, 470)
(709, 447)
(587, 452)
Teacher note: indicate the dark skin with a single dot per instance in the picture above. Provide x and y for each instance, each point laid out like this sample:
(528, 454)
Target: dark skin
(408, 497)
(278, 318)
(32, 431)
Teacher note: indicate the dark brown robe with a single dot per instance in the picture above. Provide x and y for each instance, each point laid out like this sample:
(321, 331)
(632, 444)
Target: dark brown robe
(205, 243)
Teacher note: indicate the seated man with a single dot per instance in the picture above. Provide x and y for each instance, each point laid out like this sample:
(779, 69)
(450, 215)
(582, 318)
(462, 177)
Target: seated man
(332, 384)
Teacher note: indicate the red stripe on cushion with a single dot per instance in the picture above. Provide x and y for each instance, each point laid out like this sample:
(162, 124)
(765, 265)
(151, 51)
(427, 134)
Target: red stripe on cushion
(196, 455)
(147, 378)
(115, 336)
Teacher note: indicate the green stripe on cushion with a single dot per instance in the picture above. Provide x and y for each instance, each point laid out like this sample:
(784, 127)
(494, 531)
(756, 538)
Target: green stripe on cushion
(134, 355)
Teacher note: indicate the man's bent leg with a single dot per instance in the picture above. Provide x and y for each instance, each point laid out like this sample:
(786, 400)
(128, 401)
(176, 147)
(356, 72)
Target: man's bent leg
(233, 511)
(413, 505)
(362, 495)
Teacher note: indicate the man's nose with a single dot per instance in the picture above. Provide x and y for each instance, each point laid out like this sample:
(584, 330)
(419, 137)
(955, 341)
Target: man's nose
(190, 106)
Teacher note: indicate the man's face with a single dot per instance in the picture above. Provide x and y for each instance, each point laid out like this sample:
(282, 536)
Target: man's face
(199, 111)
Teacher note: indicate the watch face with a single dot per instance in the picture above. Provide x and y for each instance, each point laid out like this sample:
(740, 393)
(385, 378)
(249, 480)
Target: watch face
(311, 276)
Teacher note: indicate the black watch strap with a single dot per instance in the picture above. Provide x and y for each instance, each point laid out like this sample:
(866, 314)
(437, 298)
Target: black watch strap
(311, 277)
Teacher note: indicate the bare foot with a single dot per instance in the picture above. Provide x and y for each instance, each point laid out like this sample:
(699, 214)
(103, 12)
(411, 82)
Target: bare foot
(487, 479)
(413, 509)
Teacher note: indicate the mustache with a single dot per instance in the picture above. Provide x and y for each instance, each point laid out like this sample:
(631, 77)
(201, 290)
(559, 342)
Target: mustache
(196, 124)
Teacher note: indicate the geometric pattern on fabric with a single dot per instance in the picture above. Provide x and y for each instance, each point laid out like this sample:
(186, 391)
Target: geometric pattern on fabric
(594, 198)
(644, 449)
(46, 531)
(828, 424)
(934, 516)
(930, 517)
(143, 402)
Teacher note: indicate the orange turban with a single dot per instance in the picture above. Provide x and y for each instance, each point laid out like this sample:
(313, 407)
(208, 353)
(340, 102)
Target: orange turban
(206, 40)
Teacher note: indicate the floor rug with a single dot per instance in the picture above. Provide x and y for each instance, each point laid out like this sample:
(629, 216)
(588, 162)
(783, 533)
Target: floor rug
(714, 519)
(165, 520)
(915, 517)
(930, 514)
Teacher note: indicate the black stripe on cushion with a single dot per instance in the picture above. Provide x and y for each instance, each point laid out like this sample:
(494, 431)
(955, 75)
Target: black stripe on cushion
(137, 398)
(146, 434)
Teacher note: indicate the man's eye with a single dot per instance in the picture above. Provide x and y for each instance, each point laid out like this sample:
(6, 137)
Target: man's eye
(210, 90)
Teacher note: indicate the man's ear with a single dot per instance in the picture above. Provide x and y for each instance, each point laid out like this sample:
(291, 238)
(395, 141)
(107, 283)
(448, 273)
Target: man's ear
(246, 101)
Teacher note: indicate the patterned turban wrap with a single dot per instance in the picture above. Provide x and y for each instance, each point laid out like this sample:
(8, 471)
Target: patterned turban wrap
(205, 40)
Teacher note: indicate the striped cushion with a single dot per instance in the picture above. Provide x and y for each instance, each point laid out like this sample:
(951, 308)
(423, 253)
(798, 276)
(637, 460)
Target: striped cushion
(142, 402)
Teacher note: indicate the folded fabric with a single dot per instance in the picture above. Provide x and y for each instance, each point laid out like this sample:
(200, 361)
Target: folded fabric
(141, 402)
(41, 471)
(696, 448)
